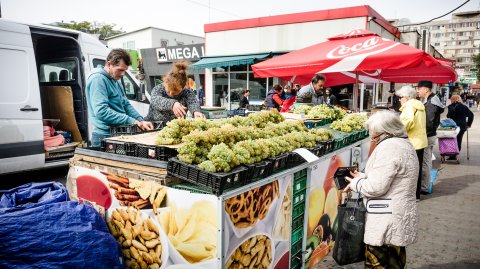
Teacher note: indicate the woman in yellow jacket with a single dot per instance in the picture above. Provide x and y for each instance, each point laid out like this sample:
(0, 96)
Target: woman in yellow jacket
(413, 116)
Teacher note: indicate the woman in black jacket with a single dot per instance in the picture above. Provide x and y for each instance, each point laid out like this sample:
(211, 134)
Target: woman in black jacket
(244, 99)
(459, 113)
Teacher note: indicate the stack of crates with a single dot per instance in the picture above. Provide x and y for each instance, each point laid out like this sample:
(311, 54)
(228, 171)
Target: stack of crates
(298, 216)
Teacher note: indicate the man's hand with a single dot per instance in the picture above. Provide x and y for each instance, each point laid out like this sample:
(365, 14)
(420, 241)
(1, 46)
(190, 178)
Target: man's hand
(199, 115)
(179, 110)
(144, 125)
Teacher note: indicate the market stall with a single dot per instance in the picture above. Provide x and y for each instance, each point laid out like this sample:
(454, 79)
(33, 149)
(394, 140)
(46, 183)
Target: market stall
(276, 213)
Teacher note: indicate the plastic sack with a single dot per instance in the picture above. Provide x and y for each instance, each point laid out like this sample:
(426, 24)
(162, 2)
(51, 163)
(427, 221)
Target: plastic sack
(349, 247)
(448, 123)
(32, 195)
(38, 231)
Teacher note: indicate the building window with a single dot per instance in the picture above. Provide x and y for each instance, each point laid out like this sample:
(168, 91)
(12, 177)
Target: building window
(436, 44)
(129, 45)
(229, 82)
(163, 43)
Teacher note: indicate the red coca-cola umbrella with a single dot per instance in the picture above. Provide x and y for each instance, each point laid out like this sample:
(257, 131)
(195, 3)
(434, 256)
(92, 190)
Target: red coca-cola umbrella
(358, 50)
(354, 51)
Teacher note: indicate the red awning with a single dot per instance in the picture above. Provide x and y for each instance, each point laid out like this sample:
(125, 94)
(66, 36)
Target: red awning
(358, 50)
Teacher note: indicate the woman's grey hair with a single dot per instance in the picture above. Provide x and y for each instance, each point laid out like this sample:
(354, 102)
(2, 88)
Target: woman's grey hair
(407, 91)
(387, 122)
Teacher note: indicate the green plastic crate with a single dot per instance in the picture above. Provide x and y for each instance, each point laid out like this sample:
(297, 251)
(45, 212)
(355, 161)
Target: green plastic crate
(298, 210)
(296, 248)
(191, 188)
(297, 223)
(300, 174)
(297, 236)
(299, 185)
(295, 263)
(299, 198)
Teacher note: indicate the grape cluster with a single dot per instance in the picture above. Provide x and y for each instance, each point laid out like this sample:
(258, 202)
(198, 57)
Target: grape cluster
(222, 158)
(351, 122)
(178, 128)
(321, 112)
(197, 144)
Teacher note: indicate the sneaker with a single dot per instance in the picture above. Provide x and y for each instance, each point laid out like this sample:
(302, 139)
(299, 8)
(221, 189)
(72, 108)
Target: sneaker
(425, 192)
(418, 200)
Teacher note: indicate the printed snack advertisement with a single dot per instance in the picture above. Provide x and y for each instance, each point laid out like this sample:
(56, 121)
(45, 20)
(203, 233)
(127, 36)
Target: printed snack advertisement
(324, 199)
(257, 226)
(156, 226)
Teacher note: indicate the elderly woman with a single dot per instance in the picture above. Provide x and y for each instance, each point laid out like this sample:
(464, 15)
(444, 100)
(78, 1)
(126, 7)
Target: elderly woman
(388, 188)
(171, 99)
(414, 118)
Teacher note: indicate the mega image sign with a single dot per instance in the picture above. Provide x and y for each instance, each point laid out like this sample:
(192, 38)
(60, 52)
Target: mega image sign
(177, 53)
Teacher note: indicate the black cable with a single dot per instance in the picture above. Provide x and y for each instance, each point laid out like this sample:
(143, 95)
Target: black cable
(413, 24)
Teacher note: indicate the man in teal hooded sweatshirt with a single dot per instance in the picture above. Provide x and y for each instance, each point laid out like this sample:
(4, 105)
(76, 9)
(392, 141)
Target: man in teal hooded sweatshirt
(107, 103)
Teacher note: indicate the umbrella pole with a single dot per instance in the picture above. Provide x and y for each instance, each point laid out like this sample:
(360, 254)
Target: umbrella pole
(355, 94)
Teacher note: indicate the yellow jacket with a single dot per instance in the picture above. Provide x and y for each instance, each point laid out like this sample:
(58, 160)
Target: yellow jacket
(414, 118)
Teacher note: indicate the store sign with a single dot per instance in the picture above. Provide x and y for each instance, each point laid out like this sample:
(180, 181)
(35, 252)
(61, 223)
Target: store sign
(177, 53)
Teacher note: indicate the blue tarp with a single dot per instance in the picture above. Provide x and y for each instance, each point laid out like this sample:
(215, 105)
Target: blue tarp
(40, 228)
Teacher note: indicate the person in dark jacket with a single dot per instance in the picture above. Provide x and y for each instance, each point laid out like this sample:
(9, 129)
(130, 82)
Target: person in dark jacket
(434, 108)
(171, 99)
(459, 113)
(274, 99)
(330, 99)
(394, 101)
(244, 99)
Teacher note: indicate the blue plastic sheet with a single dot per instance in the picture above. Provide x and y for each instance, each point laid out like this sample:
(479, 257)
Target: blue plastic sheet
(32, 195)
(448, 123)
(40, 229)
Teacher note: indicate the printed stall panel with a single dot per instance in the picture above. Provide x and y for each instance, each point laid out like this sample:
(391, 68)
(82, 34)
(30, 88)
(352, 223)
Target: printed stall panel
(257, 226)
(322, 208)
(157, 226)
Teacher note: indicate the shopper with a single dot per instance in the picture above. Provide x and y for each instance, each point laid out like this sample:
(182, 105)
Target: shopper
(244, 99)
(106, 100)
(459, 113)
(413, 117)
(201, 95)
(330, 99)
(274, 99)
(388, 188)
(312, 93)
(394, 101)
(433, 108)
(290, 97)
(171, 99)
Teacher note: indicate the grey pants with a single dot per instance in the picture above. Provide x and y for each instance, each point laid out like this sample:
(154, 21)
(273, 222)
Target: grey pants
(427, 162)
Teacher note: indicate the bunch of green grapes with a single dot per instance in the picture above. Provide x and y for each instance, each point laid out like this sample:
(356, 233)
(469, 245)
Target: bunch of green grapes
(321, 134)
(302, 109)
(178, 128)
(220, 159)
(351, 122)
(321, 112)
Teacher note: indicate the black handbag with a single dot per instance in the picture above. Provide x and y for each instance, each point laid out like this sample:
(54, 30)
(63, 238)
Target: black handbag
(349, 247)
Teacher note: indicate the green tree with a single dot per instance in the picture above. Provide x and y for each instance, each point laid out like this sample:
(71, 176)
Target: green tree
(476, 60)
(104, 30)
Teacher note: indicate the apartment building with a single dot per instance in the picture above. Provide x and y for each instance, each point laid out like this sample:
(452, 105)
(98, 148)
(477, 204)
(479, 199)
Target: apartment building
(457, 39)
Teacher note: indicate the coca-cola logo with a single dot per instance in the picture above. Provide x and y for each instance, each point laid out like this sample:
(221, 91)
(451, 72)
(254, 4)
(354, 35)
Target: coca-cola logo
(343, 51)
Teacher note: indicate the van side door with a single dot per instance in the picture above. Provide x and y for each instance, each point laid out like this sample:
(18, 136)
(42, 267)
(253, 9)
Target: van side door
(21, 128)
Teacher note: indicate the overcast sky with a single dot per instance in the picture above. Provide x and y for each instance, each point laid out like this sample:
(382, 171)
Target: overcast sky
(189, 16)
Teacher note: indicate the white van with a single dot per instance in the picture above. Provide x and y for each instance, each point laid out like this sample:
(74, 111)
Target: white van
(43, 72)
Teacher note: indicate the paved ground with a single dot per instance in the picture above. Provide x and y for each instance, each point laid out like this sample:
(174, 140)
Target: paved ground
(449, 230)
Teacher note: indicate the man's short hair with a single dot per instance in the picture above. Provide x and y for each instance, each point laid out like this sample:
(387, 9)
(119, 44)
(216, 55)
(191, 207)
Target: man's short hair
(116, 55)
(318, 77)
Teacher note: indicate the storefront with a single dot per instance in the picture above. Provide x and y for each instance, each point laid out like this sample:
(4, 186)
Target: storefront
(158, 61)
(234, 45)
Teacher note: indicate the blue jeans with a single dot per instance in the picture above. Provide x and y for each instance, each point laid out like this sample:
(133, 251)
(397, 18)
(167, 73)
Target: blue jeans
(97, 139)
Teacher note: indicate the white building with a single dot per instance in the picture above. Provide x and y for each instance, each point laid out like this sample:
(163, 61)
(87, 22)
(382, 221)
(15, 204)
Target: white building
(233, 46)
(151, 37)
